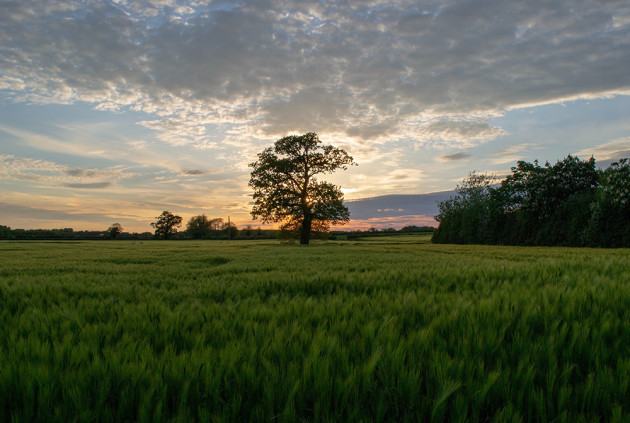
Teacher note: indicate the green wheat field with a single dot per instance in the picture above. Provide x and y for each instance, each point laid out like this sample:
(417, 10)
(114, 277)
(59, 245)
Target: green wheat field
(384, 329)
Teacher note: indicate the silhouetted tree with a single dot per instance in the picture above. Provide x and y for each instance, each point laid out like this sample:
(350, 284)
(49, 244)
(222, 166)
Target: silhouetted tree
(415, 228)
(248, 230)
(230, 230)
(114, 230)
(286, 188)
(166, 224)
(5, 232)
(201, 226)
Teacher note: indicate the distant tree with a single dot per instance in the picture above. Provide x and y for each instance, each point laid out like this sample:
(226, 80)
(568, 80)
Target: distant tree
(216, 224)
(198, 226)
(286, 189)
(248, 230)
(230, 230)
(415, 228)
(410, 228)
(166, 224)
(114, 230)
(201, 226)
(5, 232)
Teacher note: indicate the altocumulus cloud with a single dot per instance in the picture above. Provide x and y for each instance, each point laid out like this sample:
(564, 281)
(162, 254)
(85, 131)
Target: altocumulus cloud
(54, 174)
(431, 71)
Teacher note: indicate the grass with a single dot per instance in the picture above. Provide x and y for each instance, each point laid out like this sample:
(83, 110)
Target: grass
(384, 329)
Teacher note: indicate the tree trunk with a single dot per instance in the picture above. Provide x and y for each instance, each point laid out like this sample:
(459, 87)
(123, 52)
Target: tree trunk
(305, 230)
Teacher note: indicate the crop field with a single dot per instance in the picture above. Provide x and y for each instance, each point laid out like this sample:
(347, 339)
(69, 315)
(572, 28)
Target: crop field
(383, 329)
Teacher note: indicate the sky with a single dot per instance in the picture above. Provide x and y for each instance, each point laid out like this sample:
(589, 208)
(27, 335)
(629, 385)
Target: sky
(113, 111)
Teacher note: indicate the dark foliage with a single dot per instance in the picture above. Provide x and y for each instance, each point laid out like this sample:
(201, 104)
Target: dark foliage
(67, 234)
(114, 230)
(5, 232)
(569, 204)
(203, 227)
(166, 225)
(286, 189)
(414, 228)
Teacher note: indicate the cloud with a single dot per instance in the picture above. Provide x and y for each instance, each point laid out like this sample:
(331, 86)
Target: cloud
(36, 213)
(460, 132)
(80, 173)
(454, 157)
(53, 216)
(511, 154)
(354, 69)
(55, 174)
(95, 185)
(610, 151)
(403, 175)
(193, 172)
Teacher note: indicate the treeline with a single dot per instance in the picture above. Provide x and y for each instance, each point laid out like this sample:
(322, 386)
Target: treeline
(570, 203)
(65, 234)
(116, 231)
(204, 227)
(199, 227)
(69, 234)
(244, 233)
(373, 232)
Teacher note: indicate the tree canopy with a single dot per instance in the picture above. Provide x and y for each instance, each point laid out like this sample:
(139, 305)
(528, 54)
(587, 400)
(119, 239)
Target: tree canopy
(569, 203)
(166, 224)
(5, 232)
(202, 226)
(286, 188)
(114, 230)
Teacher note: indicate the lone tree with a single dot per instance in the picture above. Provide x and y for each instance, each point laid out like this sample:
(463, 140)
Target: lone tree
(114, 230)
(286, 189)
(166, 224)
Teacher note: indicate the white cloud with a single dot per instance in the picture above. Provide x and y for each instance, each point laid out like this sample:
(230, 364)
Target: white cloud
(611, 150)
(403, 180)
(54, 174)
(512, 153)
(459, 132)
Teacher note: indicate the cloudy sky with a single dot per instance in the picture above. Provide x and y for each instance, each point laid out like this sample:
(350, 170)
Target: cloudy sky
(112, 111)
